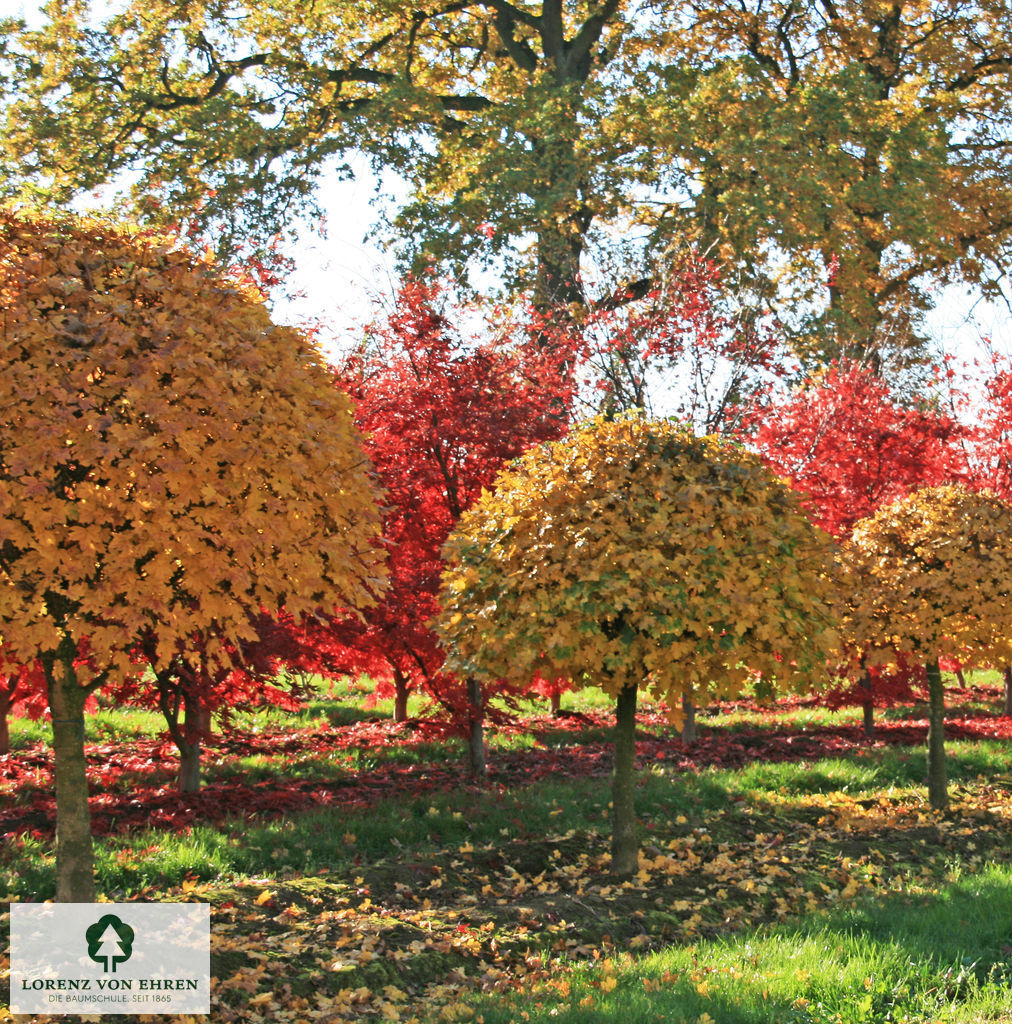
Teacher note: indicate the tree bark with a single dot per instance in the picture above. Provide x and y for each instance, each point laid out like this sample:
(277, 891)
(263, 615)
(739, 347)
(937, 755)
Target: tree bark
(868, 709)
(689, 721)
(5, 728)
(1007, 674)
(557, 285)
(476, 735)
(195, 716)
(555, 702)
(401, 692)
(188, 779)
(938, 795)
(75, 876)
(868, 705)
(624, 843)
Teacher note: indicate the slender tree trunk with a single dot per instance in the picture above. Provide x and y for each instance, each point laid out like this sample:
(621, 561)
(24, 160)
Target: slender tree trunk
(75, 878)
(188, 779)
(196, 725)
(868, 706)
(938, 795)
(401, 692)
(189, 749)
(476, 735)
(5, 728)
(960, 678)
(555, 702)
(689, 721)
(624, 844)
(1007, 674)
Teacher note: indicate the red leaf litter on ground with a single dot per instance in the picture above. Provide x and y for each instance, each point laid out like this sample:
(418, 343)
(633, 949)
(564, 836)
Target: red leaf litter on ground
(132, 782)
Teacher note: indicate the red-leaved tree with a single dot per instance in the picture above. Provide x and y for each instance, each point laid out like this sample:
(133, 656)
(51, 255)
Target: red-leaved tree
(22, 687)
(849, 446)
(988, 446)
(269, 669)
(441, 416)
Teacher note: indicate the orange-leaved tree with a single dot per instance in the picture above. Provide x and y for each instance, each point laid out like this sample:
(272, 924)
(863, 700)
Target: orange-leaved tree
(171, 464)
(632, 554)
(932, 572)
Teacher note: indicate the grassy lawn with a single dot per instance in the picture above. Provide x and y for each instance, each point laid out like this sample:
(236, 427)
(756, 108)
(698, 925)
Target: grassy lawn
(772, 888)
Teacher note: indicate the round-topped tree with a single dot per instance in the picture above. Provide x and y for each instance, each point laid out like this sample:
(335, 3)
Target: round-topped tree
(936, 572)
(632, 553)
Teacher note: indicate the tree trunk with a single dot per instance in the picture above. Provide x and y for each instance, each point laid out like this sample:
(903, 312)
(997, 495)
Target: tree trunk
(689, 721)
(868, 708)
(868, 705)
(196, 716)
(555, 702)
(476, 734)
(960, 678)
(401, 692)
(5, 728)
(1007, 674)
(557, 285)
(188, 779)
(624, 844)
(938, 795)
(75, 878)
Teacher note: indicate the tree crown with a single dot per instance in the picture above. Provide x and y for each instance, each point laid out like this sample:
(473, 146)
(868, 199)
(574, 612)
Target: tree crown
(630, 551)
(931, 573)
(171, 462)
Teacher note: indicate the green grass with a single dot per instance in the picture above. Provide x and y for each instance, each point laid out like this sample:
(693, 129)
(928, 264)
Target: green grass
(932, 945)
(311, 841)
(944, 957)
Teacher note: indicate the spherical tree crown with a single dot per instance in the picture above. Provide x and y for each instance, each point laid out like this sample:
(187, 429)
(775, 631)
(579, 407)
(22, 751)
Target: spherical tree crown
(632, 552)
(934, 572)
(171, 461)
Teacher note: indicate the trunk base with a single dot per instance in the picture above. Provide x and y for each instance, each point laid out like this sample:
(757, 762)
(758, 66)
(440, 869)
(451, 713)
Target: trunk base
(869, 719)
(75, 875)
(689, 734)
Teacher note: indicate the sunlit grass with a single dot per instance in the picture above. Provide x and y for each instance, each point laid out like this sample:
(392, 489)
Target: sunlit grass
(944, 957)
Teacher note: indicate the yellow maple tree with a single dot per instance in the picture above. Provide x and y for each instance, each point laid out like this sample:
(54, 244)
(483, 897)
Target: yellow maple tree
(633, 554)
(931, 573)
(171, 463)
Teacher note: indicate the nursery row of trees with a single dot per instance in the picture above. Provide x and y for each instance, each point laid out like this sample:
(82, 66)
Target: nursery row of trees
(191, 503)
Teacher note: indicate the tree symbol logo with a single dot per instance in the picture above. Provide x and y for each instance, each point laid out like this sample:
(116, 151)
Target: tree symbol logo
(110, 942)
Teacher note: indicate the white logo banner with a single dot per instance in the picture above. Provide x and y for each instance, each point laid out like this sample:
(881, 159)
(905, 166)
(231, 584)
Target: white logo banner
(110, 958)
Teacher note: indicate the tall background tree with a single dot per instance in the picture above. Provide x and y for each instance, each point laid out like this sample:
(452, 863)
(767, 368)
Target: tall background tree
(857, 143)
